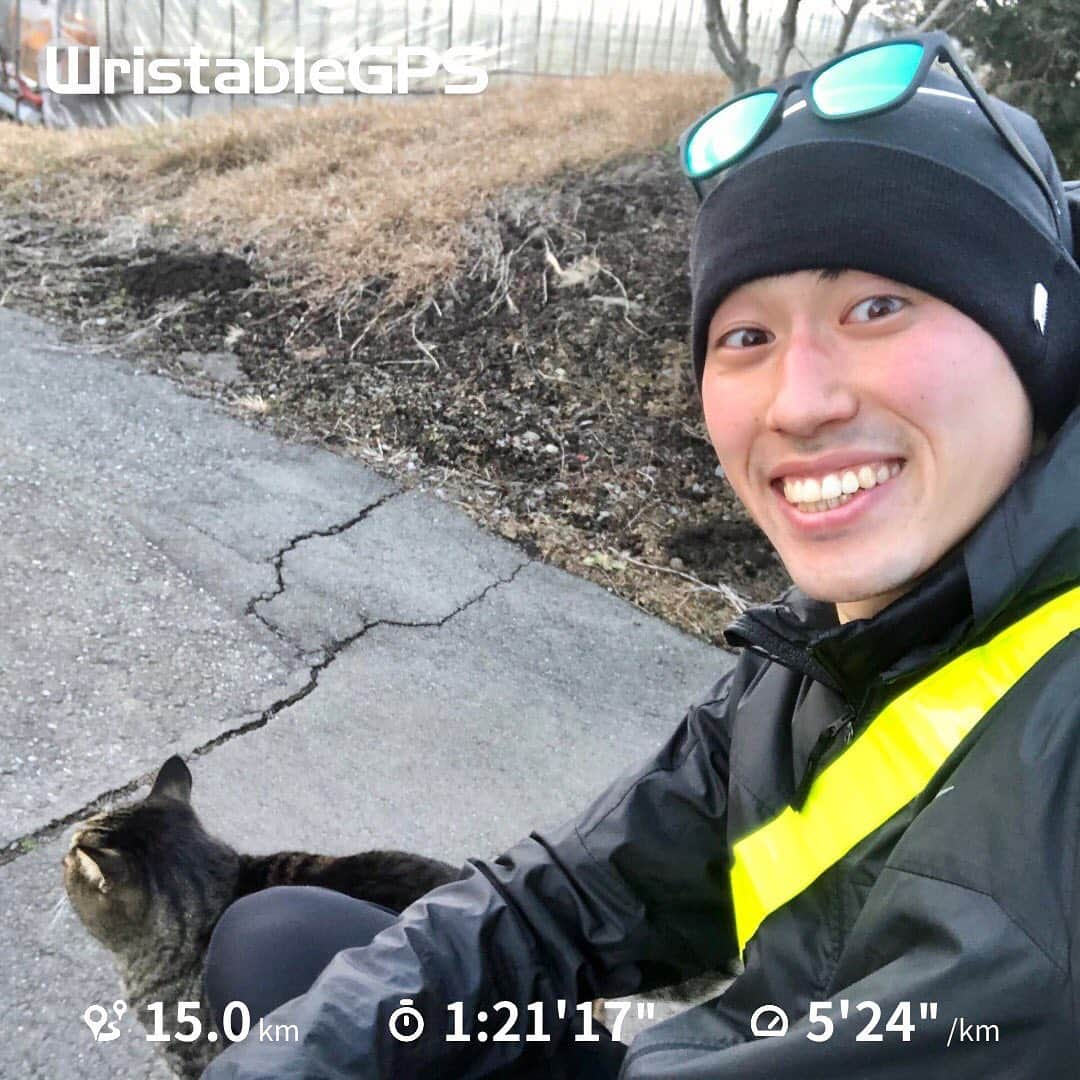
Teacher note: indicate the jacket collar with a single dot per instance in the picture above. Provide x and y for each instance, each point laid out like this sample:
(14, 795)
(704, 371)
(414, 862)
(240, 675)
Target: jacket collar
(1025, 550)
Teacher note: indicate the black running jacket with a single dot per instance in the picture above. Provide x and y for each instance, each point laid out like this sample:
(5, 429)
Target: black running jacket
(965, 904)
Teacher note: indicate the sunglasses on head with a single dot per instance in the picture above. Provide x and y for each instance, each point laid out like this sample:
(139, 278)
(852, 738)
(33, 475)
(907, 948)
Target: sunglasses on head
(871, 79)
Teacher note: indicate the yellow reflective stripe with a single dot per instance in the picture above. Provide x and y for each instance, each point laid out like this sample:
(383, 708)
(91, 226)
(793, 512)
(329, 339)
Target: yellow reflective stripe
(887, 765)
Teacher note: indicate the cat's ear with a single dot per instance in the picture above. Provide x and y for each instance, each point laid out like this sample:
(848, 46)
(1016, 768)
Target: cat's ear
(173, 781)
(101, 867)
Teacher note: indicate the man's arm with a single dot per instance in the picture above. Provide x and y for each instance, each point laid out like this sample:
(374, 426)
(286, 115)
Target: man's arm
(625, 897)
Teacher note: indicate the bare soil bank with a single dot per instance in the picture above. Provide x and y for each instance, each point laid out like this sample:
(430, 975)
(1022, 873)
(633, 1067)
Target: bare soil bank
(543, 386)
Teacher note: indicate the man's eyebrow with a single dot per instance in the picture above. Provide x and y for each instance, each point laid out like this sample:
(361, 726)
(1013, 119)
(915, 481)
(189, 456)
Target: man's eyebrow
(827, 274)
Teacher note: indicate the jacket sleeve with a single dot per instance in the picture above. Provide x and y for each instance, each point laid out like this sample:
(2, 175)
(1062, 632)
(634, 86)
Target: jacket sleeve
(632, 894)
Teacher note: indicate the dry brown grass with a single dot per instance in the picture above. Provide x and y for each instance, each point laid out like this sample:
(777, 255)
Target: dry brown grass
(343, 193)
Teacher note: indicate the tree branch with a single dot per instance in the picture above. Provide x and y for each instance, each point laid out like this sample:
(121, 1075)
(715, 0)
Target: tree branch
(788, 27)
(744, 24)
(717, 28)
(850, 16)
(934, 15)
(734, 60)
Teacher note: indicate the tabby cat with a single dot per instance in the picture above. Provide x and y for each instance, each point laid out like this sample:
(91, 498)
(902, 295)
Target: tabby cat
(149, 883)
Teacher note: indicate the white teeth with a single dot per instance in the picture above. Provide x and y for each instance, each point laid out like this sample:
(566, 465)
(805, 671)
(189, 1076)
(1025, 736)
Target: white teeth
(834, 489)
(830, 486)
(824, 504)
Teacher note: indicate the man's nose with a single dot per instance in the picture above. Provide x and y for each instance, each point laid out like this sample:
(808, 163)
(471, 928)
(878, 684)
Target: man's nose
(812, 384)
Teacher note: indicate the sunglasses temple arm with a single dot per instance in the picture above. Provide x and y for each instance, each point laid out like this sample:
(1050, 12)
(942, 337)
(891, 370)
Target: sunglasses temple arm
(1004, 129)
(1033, 167)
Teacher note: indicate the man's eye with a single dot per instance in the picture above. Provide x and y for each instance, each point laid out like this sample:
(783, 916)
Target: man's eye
(746, 337)
(873, 300)
(729, 340)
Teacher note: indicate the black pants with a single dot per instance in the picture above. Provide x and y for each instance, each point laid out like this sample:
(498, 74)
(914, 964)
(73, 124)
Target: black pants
(270, 946)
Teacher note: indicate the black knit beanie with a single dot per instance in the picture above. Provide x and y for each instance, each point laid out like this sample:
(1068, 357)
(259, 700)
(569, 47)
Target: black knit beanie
(927, 194)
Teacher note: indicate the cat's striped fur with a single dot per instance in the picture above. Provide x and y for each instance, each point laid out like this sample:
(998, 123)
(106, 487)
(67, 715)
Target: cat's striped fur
(149, 882)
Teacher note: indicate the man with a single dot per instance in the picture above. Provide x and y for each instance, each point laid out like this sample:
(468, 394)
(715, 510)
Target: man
(878, 808)
(866, 382)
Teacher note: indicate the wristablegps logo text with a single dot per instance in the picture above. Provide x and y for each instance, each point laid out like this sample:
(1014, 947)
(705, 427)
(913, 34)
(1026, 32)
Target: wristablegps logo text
(373, 69)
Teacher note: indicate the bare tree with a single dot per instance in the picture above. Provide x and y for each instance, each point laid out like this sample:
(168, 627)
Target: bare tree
(732, 50)
(788, 25)
(733, 57)
(853, 12)
(904, 15)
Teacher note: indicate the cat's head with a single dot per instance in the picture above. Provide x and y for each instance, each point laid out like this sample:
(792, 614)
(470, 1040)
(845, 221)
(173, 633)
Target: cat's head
(148, 871)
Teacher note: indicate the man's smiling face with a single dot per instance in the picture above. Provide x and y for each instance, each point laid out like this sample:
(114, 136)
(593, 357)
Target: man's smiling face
(880, 397)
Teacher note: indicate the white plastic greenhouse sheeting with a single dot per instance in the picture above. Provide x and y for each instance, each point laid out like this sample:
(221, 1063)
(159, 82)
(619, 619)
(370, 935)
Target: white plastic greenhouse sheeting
(556, 37)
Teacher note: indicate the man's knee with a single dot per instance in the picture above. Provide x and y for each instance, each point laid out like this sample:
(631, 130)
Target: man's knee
(248, 931)
(251, 922)
(283, 936)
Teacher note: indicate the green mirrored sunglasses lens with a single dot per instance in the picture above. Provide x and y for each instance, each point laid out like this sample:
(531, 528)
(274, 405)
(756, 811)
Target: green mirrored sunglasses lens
(867, 80)
(726, 133)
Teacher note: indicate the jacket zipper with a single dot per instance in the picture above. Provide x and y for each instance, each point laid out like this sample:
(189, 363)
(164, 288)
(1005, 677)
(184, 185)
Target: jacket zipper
(830, 744)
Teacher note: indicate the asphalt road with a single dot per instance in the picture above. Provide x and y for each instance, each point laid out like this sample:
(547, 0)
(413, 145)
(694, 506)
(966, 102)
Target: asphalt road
(344, 664)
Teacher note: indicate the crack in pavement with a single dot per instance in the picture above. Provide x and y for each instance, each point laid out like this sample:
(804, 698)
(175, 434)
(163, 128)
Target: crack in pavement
(23, 845)
(279, 566)
(332, 652)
